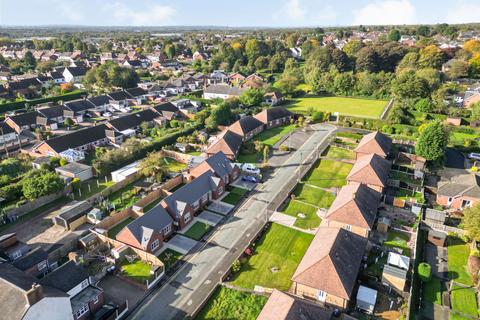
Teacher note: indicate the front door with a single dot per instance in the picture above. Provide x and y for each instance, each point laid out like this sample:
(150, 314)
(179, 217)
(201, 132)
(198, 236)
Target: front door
(321, 296)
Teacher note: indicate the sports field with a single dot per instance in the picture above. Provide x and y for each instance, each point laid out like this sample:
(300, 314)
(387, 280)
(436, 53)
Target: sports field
(364, 108)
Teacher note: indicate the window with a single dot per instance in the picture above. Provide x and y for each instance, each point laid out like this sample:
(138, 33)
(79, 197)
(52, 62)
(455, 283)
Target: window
(348, 227)
(95, 299)
(42, 265)
(84, 284)
(16, 254)
(220, 190)
(81, 311)
(167, 229)
(466, 203)
(450, 200)
(154, 245)
(187, 217)
(321, 295)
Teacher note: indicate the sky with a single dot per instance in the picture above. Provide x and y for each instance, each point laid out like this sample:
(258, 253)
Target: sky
(231, 13)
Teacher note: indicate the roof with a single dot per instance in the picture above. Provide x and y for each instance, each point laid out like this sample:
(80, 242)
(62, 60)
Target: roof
(274, 113)
(191, 192)
(395, 271)
(65, 277)
(245, 125)
(77, 138)
(5, 128)
(283, 306)
(31, 259)
(136, 92)
(367, 295)
(133, 120)
(397, 260)
(99, 100)
(79, 105)
(355, 204)
(219, 164)
(435, 215)
(459, 182)
(224, 89)
(73, 167)
(228, 142)
(332, 262)
(84, 297)
(370, 169)
(77, 71)
(23, 84)
(375, 142)
(52, 112)
(143, 227)
(119, 95)
(75, 210)
(25, 119)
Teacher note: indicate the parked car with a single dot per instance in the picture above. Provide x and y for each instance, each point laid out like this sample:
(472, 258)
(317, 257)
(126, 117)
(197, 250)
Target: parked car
(250, 179)
(474, 156)
(250, 168)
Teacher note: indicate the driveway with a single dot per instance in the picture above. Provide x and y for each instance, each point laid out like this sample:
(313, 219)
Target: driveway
(247, 185)
(181, 244)
(209, 217)
(118, 290)
(220, 207)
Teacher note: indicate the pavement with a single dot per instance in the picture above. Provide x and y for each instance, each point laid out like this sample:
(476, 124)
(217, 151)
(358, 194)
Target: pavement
(209, 217)
(181, 243)
(187, 290)
(220, 207)
(240, 183)
(283, 219)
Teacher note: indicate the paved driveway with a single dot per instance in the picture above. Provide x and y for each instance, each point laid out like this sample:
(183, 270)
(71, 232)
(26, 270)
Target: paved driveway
(247, 185)
(118, 290)
(181, 244)
(209, 217)
(220, 207)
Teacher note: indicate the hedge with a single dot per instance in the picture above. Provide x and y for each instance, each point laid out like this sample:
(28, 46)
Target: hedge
(16, 105)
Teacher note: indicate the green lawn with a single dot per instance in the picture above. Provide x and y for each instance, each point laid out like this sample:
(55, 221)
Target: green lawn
(364, 108)
(397, 239)
(234, 196)
(231, 304)
(405, 177)
(375, 269)
(464, 300)
(313, 195)
(194, 153)
(94, 188)
(197, 230)
(339, 153)
(173, 165)
(458, 252)
(311, 220)
(169, 257)
(152, 204)
(432, 291)
(406, 195)
(124, 197)
(271, 136)
(281, 248)
(328, 174)
(244, 157)
(137, 270)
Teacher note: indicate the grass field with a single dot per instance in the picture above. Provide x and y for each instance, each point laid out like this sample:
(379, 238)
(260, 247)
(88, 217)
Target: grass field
(356, 107)
(328, 174)
(313, 195)
(281, 248)
(458, 252)
(197, 230)
(116, 229)
(397, 239)
(432, 291)
(169, 257)
(311, 220)
(152, 204)
(231, 304)
(464, 300)
(339, 153)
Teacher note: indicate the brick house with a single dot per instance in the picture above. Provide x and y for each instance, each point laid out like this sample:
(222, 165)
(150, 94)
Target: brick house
(375, 142)
(220, 166)
(35, 262)
(274, 117)
(247, 127)
(328, 270)
(458, 189)
(228, 142)
(371, 170)
(189, 199)
(354, 209)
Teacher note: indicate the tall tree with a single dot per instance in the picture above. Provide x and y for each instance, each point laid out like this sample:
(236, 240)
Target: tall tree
(432, 141)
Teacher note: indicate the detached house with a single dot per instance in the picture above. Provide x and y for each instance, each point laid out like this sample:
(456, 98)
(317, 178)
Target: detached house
(247, 127)
(328, 270)
(228, 142)
(274, 117)
(129, 124)
(354, 209)
(168, 110)
(458, 189)
(186, 201)
(220, 166)
(74, 74)
(371, 170)
(375, 142)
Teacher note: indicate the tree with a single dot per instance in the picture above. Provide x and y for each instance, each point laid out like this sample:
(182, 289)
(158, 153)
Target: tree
(266, 150)
(424, 105)
(457, 69)
(432, 141)
(340, 60)
(423, 31)
(28, 61)
(68, 122)
(63, 162)
(476, 111)
(408, 85)
(472, 46)
(352, 47)
(432, 76)
(38, 183)
(425, 272)
(431, 57)
(252, 49)
(261, 63)
(221, 114)
(252, 97)
(45, 66)
(409, 61)
(153, 166)
(394, 35)
(259, 146)
(471, 222)
(368, 60)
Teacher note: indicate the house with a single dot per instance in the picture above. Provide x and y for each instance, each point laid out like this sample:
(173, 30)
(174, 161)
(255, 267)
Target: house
(35, 262)
(74, 74)
(187, 106)
(134, 64)
(236, 78)
(72, 215)
(366, 299)
(247, 127)
(85, 297)
(458, 189)
(54, 113)
(354, 209)
(168, 110)
(149, 231)
(328, 271)
(57, 76)
(77, 108)
(220, 166)
(471, 97)
(129, 124)
(23, 121)
(11, 248)
(74, 170)
(137, 93)
(120, 100)
(228, 142)
(100, 103)
(7, 133)
(80, 140)
(199, 56)
(285, 306)
(274, 117)
(371, 170)
(26, 87)
(222, 91)
(273, 98)
(186, 201)
(253, 81)
(375, 142)
(23, 298)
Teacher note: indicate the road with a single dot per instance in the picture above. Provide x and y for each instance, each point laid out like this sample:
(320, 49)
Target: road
(187, 290)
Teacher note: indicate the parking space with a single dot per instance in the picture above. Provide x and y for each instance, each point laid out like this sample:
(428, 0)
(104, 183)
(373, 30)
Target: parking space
(209, 217)
(247, 185)
(118, 290)
(220, 207)
(181, 244)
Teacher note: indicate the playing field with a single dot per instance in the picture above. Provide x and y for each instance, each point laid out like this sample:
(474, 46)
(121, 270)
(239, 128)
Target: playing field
(364, 108)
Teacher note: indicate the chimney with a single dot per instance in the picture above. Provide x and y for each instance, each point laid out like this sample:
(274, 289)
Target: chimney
(34, 295)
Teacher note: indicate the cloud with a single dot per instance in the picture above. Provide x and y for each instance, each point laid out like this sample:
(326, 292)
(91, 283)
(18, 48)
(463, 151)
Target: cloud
(154, 15)
(463, 12)
(305, 12)
(387, 12)
(293, 10)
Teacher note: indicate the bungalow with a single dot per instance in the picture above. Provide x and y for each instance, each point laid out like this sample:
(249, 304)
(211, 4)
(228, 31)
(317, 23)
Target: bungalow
(7, 134)
(23, 121)
(137, 93)
(328, 270)
(57, 76)
(35, 262)
(76, 109)
(26, 87)
(119, 99)
(236, 78)
(375, 142)
(74, 74)
(54, 113)
(168, 110)
(371, 170)
(284, 306)
(149, 231)
(222, 91)
(253, 81)
(458, 189)
(228, 142)
(184, 202)
(135, 64)
(188, 106)
(273, 98)
(220, 166)
(130, 123)
(100, 103)
(247, 127)
(354, 209)
(274, 117)
(199, 56)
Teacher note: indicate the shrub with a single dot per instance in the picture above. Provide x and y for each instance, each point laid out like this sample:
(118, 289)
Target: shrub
(425, 272)
(236, 265)
(318, 116)
(284, 148)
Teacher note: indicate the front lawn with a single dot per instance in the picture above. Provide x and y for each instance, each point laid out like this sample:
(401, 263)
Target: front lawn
(118, 227)
(169, 257)
(398, 239)
(432, 291)
(311, 220)
(173, 165)
(271, 136)
(234, 195)
(137, 270)
(197, 230)
(231, 304)
(277, 255)
(464, 300)
(458, 252)
(314, 196)
(364, 108)
(328, 174)
(244, 157)
(339, 153)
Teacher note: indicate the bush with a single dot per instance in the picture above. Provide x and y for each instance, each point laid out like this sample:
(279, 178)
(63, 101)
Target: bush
(236, 265)
(284, 148)
(38, 183)
(425, 272)
(318, 116)
(388, 129)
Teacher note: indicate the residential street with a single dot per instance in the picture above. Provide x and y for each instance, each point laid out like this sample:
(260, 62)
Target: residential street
(192, 284)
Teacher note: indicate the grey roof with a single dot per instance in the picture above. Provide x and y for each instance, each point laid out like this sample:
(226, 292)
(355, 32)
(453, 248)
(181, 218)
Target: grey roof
(459, 182)
(73, 167)
(191, 192)
(77, 71)
(99, 100)
(75, 210)
(224, 89)
(77, 138)
(66, 277)
(133, 120)
(79, 105)
(136, 92)
(5, 128)
(31, 259)
(395, 271)
(435, 215)
(119, 95)
(25, 119)
(143, 227)
(52, 112)
(84, 297)
(220, 164)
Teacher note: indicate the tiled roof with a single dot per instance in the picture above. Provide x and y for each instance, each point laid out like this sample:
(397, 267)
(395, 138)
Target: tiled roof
(274, 113)
(370, 169)
(245, 125)
(77, 138)
(133, 120)
(375, 142)
(228, 142)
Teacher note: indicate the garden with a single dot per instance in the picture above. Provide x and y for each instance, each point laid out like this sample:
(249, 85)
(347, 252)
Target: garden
(137, 270)
(306, 214)
(112, 232)
(313, 195)
(169, 257)
(399, 241)
(197, 230)
(276, 256)
(339, 153)
(234, 195)
(174, 166)
(328, 174)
